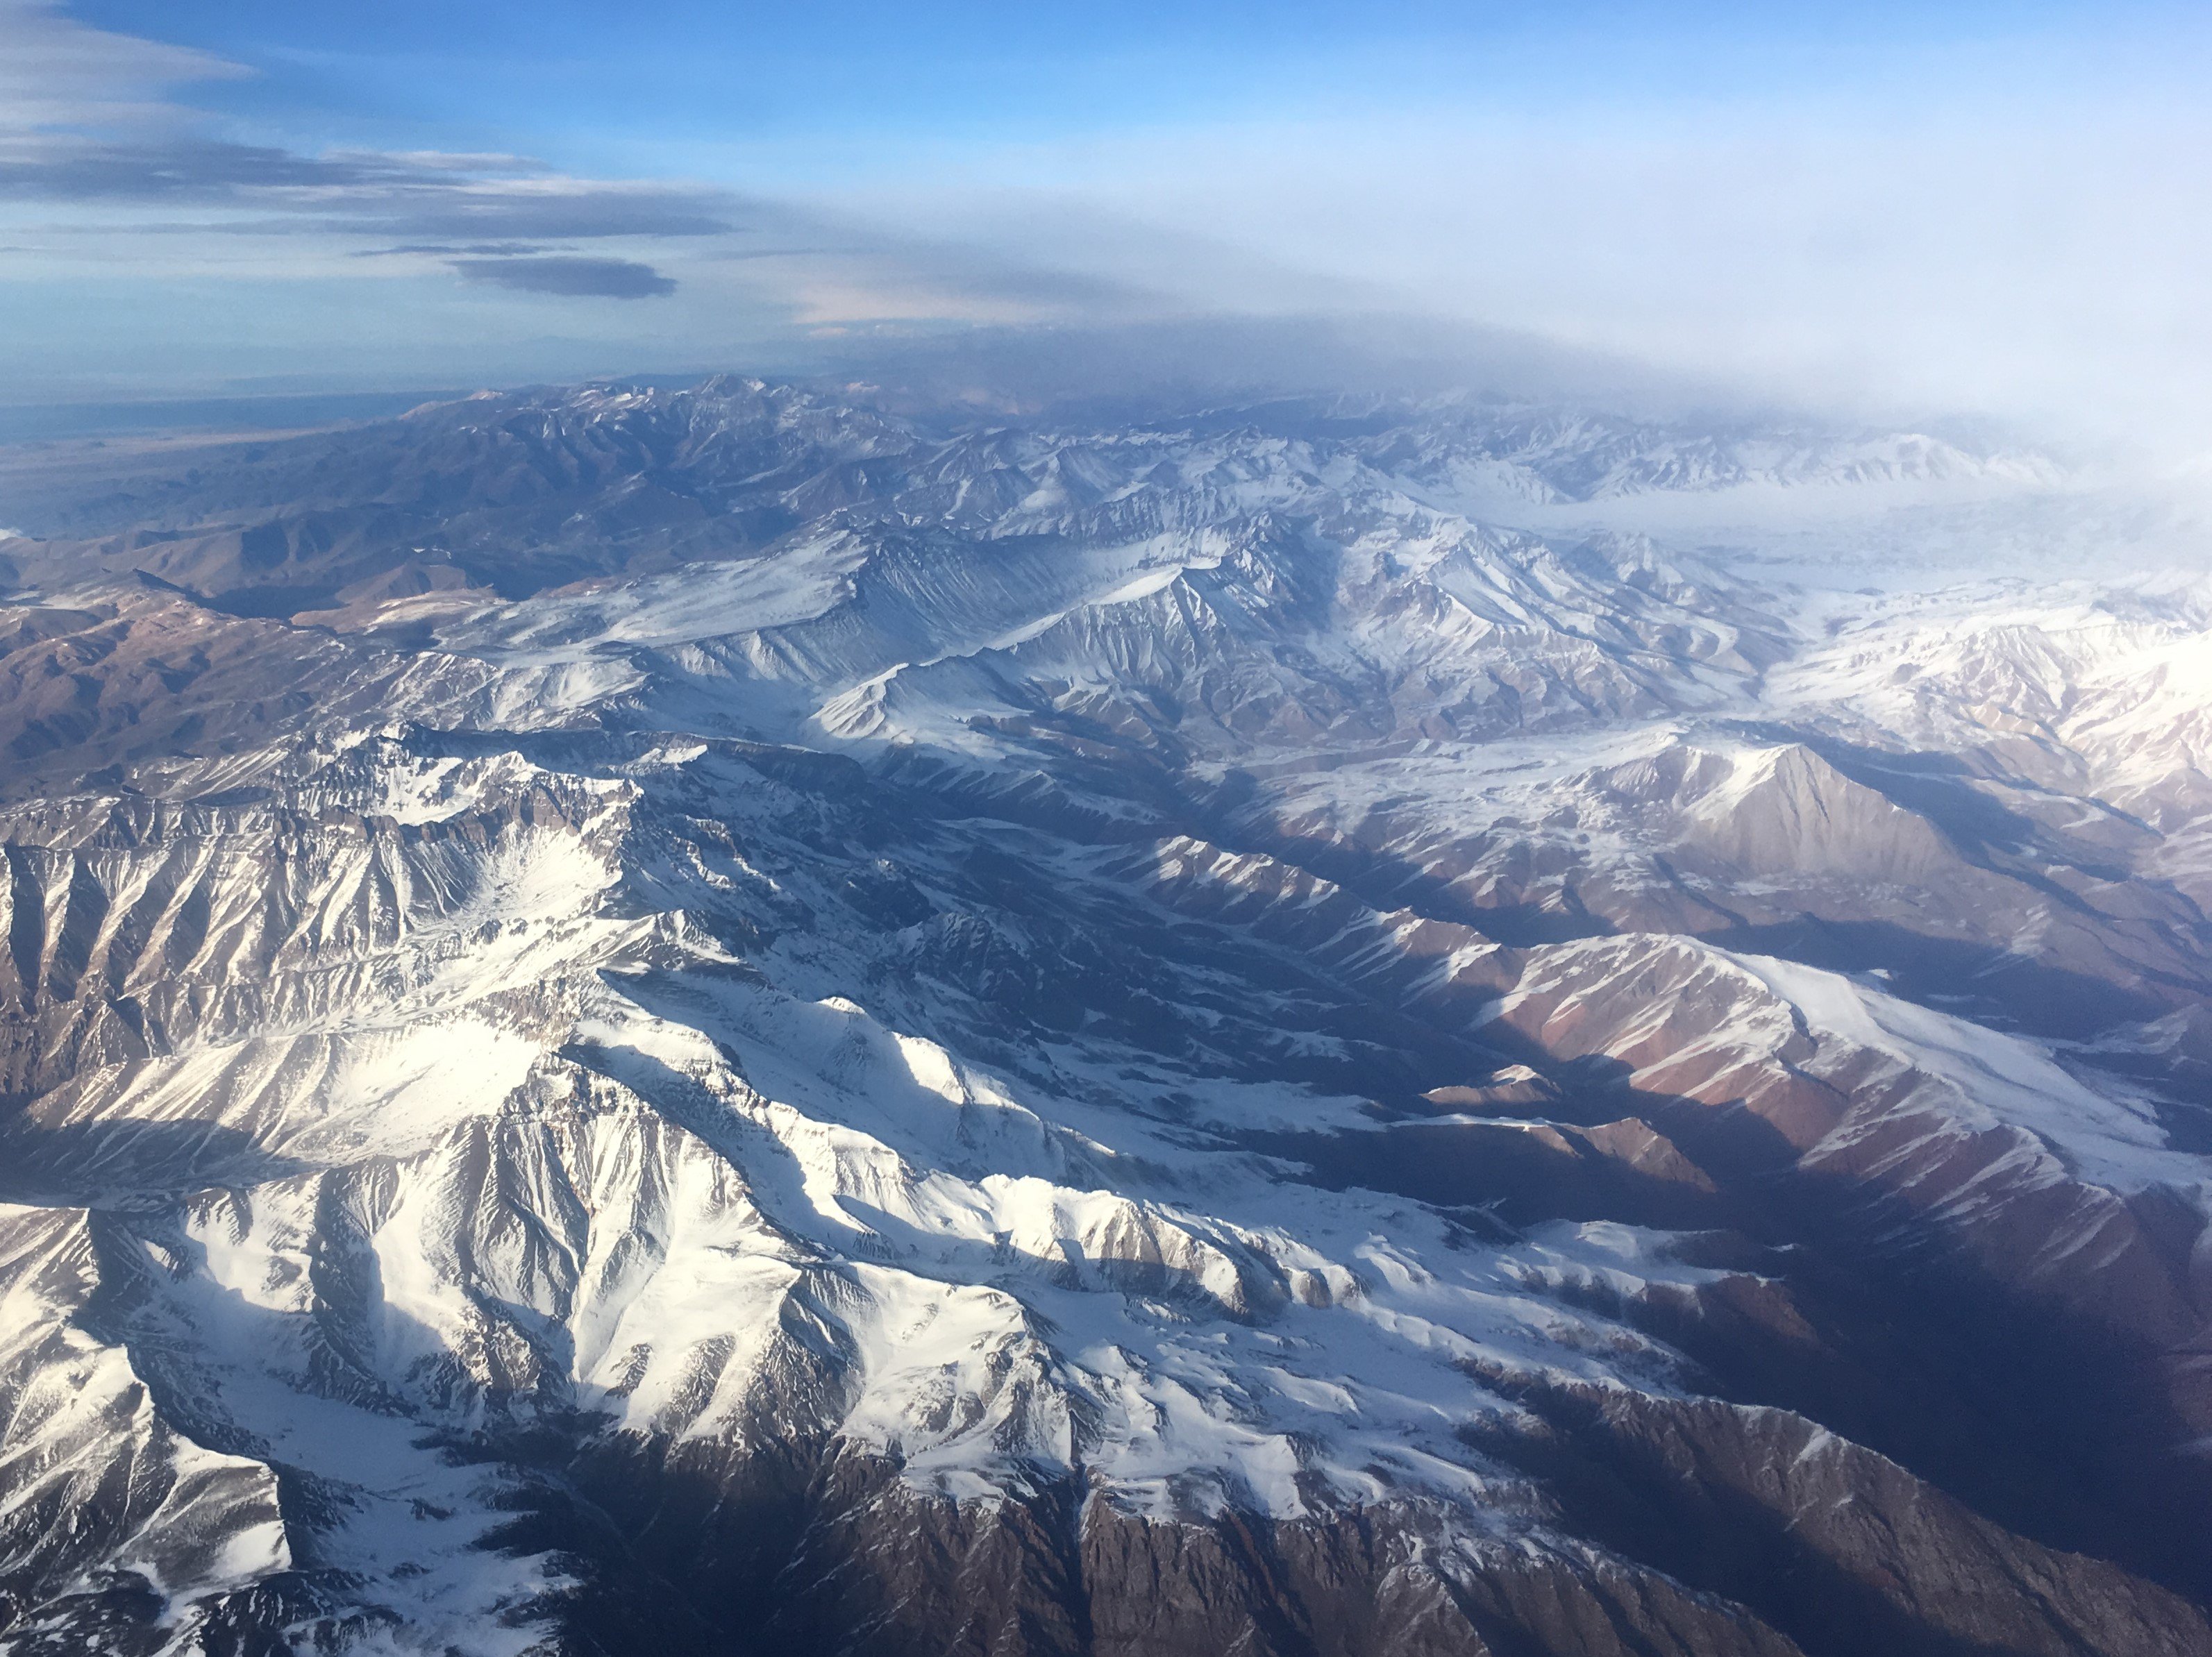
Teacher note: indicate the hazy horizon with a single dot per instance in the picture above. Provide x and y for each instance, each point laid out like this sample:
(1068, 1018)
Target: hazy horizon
(1968, 211)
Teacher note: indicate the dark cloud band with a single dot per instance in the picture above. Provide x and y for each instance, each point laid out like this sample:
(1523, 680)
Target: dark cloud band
(569, 276)
(410, 197)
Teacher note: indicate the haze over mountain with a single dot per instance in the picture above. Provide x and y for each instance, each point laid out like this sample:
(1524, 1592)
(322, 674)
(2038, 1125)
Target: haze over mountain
(1884, 208)
(824, 1015)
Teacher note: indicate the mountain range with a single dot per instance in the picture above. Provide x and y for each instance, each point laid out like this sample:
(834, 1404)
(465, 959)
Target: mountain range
(749, 1017)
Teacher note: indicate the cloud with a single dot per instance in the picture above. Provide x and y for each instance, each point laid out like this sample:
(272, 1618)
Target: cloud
(2034, 259)
(474, 249)
(554, 209)
(87, 125)
(55, 70)
(107, 155)
(2013, 249)
(408, 196)
(70, 167)
(569, 276)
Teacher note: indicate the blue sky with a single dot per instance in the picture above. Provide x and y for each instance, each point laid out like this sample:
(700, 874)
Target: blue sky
(1954, 206)
(566, 73)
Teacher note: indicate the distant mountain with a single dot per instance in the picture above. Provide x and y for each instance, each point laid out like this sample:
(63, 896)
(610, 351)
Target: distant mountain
(722, 1020)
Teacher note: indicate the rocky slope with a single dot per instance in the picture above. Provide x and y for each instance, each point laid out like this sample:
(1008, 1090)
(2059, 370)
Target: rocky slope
(715, 1020)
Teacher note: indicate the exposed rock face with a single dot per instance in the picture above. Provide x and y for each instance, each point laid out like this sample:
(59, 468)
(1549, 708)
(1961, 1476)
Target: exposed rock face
(720, 1021)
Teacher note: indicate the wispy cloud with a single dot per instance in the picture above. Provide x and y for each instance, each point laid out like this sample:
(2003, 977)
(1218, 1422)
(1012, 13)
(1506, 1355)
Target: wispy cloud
(97, 149)
(56, 71)
(410, 197)
(2032, 242)
(570, 276)
(86, 121)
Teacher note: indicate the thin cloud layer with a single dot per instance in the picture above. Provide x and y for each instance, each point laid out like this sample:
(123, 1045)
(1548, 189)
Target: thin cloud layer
(2029, 248)
(105, 153)
(406, 197)
(56, 71)
(367, 195)
(569, 276)
(87, 122)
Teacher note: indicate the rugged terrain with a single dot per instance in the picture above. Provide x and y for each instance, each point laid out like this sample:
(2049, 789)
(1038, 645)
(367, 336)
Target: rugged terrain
(723, 1020)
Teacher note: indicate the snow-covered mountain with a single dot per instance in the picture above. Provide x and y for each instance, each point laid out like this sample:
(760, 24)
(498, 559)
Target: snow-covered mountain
(718, 1020)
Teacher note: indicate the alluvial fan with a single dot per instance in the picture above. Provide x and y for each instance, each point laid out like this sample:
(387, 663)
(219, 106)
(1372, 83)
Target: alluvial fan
(718, 1021)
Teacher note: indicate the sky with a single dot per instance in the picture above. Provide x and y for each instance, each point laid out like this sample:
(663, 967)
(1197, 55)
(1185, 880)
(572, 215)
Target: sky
(1897, 209)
